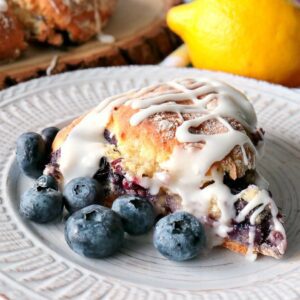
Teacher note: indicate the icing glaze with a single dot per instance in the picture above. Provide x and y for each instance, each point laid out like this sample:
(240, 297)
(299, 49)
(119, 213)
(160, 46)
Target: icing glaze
(209, 99)
(52, 65)
(97, 17)
(85, 144)
(106, 38)
(101, 37)
(251, 255)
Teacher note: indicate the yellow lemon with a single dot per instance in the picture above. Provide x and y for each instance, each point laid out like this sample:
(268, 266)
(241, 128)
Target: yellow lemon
(255, 38)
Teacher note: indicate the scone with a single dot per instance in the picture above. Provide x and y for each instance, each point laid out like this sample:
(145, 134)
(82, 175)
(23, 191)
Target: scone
(11, 33)
(54, 21)
(189, 144)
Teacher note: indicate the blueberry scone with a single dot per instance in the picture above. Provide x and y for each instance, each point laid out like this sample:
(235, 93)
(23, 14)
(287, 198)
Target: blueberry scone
(11, 33)
(188, 144)
(54, 21)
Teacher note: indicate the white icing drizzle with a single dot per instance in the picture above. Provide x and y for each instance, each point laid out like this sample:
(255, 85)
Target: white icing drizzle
(85, 144)
(55, 7)
(3, 6)
(101, 37)
(106, 38)
(261, 200)
(52, 65)
(231, 103)
(251, 255)
(186, 170)
(97, 17)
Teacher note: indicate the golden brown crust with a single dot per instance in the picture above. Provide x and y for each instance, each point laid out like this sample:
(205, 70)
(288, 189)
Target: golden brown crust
(12, 36)
(243, 249)
(45, 20)
(235, 247)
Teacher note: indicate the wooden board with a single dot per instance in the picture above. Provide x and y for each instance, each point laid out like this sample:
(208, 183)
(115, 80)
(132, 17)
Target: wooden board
(141, 35)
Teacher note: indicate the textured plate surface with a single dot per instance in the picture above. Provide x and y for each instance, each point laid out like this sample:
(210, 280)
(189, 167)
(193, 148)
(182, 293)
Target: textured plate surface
(35, 262)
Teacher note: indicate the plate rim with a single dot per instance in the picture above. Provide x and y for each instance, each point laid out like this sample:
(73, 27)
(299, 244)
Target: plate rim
(49, 82)
(9, 94)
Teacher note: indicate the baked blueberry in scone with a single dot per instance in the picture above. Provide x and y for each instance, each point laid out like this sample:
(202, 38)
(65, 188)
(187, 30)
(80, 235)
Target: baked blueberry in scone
(187, 145)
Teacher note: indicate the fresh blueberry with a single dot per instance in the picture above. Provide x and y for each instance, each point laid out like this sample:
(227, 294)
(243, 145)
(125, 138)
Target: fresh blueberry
(41, 205)
(81, 192)
(94, 231)
(49, 135)
(179, 236)
(137, 213)
(47, 181)
(31, 154)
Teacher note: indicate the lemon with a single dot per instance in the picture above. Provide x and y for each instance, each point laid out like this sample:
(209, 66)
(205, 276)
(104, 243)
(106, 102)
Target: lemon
(254, 38)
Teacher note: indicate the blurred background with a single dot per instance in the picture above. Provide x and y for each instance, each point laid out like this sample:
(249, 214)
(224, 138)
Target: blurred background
(257, 39)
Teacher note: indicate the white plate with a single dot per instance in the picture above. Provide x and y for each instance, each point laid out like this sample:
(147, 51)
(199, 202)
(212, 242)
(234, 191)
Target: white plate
(36, 263)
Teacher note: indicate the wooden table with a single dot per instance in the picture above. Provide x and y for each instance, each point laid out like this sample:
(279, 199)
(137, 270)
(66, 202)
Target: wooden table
(141, 35)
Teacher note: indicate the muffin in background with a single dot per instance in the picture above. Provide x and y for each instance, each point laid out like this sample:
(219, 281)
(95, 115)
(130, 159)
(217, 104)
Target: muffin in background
(58, 21)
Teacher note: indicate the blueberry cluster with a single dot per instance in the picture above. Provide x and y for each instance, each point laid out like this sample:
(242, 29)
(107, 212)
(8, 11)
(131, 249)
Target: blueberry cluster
(91, 229)
(43, 202)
